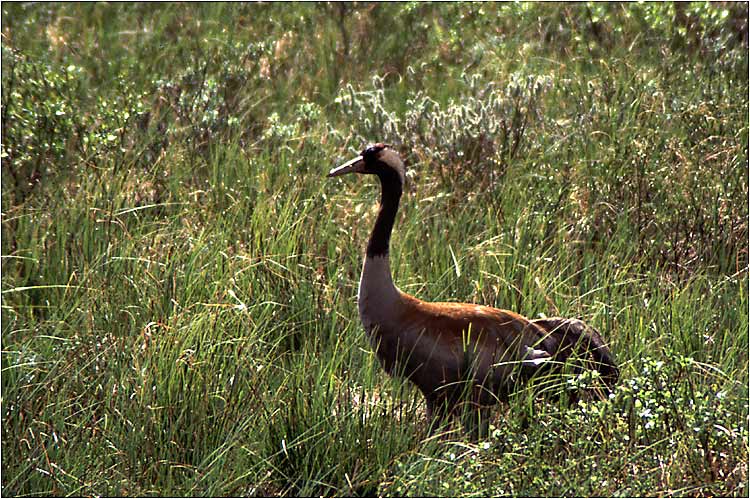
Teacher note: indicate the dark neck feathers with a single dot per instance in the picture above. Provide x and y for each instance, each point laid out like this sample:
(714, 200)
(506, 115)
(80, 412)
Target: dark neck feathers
(390, 195)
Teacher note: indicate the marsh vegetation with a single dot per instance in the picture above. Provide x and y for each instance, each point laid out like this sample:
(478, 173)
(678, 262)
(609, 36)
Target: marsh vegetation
(179, 278)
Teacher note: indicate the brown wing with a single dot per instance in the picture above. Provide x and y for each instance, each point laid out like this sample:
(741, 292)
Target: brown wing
(456, 339)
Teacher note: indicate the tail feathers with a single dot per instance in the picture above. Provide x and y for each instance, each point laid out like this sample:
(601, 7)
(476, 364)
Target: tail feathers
(566, 337)
(534, 357)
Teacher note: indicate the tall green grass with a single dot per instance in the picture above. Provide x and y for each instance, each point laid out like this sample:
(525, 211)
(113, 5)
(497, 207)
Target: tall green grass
(179, 278)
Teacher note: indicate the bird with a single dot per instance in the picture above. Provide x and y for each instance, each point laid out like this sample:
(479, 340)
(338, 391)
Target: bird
(459, 355)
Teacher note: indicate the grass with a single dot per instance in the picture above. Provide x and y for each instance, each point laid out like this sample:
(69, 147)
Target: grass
(179, 278)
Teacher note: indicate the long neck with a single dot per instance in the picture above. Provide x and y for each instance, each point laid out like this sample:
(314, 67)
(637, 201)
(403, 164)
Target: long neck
(377, 293)
(390, 195)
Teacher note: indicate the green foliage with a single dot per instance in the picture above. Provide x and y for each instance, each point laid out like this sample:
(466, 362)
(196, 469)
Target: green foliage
(54, 131)
(179, 278)
(483, 131)
(210, 99)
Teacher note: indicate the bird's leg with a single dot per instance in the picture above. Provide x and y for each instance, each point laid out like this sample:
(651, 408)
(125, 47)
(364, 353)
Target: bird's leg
(483, 423)
(437, 412)
(476, 419)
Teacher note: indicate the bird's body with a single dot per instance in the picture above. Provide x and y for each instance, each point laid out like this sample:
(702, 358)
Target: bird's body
(453, 352)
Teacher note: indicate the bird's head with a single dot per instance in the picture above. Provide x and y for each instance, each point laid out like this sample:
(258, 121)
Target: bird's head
(378, 159)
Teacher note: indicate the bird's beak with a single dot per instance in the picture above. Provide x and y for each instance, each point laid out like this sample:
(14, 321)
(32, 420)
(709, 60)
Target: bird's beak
(356, 165)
